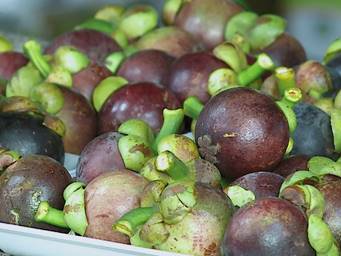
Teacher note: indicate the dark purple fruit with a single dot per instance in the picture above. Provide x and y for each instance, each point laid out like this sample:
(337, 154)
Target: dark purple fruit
(95, 44)
(100, 155)
(262, 184)
(269, 226)
(80, 121)
(10, 62)
(85, 81)
(189, 75)
(172, 40)
(147, 66)
(242, 131)
(292, 164)
(25, 184)
(27, 135)
(142, 100)
(206, 19)
(286, 51)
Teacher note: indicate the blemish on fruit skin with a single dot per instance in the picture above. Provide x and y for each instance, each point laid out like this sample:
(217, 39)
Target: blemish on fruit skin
(230, 135)
(143, 149)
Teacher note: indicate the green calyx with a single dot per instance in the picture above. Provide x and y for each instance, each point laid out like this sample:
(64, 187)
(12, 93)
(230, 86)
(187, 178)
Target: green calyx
(177, 200)
(232, 55)
(290, 146)
(137, 127)
(110, 13)
(152, 193)
(154, 231)
(149, 172)
(193, 107)
(96, 24)
(239, 196)
(266, 30)
(181, 146)
(120, 38)
(49, 96)
(333, 49)
(55, 124)
(298, 178)
(335, 120)
(105, 88)
(114, 60)
(221, 79)
(74, 208)
(18, 104)
(320, 166)
(45, 213)
(138, 20)
(129, 223)
(23, 81)
(170, 9)
(5, 45)
(33, 50)
(71, 59)
(61, 76)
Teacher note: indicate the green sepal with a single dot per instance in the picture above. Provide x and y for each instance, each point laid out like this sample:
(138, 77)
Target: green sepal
(239, 196)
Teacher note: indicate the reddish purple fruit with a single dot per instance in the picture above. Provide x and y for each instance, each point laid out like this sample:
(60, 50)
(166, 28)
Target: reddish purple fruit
(189, 75)
(241, 131)
(269, 226)
(262, 184)
(147, 66)
(95, 44)
(79, 119)
(292, 164)
(143, 100)
(10, 62)
(85, 81)
(99, 156)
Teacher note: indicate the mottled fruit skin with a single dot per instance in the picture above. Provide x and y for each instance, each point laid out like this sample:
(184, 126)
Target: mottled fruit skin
(10, 62)
(139, 100)
(100, 155)
(202, 230)
(86, 80)
(25, 184)
(107, 198)
(172, 40)
(206, 19)
(262, 184)
(292, 164)
(313, 135)
(27, 135)
(95, 44)
(189, 75)
(147, 66)
(269, 226)
(80, 121)
(330, 187)
(286, 51)
(242, 131)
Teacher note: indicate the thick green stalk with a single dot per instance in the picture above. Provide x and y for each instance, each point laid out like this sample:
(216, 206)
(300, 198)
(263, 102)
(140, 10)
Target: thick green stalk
(193, 107)
(33, 50)
(167, 162)
(285, 78)
(50, 215)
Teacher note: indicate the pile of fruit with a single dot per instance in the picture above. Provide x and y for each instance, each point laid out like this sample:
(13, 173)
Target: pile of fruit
(209, 135)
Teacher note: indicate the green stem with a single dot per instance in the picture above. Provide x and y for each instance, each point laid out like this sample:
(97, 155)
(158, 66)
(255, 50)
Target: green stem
(285, 78)
(50, 215)
(173, 166)
(33, 50)
(172, 120)
(255, 71)
(129, 222)
(193, 107)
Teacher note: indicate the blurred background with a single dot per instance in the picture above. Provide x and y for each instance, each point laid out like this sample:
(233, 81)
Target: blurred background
(314, 22)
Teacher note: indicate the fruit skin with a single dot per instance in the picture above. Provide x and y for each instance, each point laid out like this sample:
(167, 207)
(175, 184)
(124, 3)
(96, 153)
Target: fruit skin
(330, 186)
(148, 66)
(172, 40)
(269, 226)
(291, 164)
(313, 135)
(85, 81)
(142, 100)
(262, 184)
(242, 131)
(10, 62)
(206, 20)
(95, 44)
(80, 121)
(99, 155)
(107, 198)
(24, 184)
(27, 135)
(189, 75)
